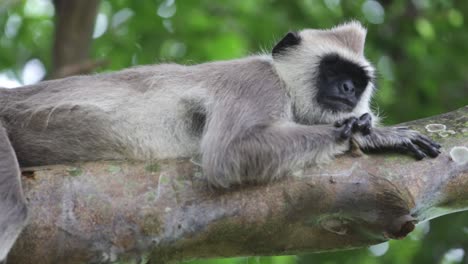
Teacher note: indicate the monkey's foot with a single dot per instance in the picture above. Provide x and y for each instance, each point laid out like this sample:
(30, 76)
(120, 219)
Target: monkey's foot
(418, 144)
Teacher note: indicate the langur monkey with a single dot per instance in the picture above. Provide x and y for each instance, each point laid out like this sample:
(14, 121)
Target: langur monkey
(251, 120)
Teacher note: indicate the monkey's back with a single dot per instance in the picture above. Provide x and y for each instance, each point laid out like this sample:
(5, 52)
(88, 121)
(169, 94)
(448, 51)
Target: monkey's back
(142, 113)
(128, 114)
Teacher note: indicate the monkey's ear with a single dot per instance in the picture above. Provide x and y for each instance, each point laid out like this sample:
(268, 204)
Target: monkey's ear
(351, 34)
(291, 39)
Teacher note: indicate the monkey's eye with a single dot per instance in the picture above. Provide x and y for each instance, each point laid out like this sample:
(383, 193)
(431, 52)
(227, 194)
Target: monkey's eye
(330, 73)
(360, 83)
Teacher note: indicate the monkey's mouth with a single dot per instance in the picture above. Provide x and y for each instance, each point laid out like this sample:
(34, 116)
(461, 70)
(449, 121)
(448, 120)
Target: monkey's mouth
(336, 103)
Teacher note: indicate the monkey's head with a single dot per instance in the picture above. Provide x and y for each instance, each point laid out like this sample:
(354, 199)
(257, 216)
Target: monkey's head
(325, 72)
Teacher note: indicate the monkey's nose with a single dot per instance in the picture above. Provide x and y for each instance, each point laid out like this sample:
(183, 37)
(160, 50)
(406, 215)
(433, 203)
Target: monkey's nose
(347, 87)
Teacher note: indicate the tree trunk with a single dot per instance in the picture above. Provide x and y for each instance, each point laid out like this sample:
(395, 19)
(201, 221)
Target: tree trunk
(162, 212)
(74, 26)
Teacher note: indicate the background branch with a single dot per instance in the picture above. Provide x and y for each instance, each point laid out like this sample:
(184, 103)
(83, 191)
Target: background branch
(74, 26)
(160, 212)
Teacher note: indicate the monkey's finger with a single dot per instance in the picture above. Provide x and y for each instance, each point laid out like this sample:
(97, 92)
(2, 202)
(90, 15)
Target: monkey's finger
(427, 148)
(345, 121)
(364, 124)
(430, 147)
(341, 122)
(348, 128)
(412, 148)
(351, 120)
(430, 141)
(363, 127)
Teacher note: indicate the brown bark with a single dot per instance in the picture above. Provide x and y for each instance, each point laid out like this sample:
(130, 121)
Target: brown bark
(98, 212)
(74, 25)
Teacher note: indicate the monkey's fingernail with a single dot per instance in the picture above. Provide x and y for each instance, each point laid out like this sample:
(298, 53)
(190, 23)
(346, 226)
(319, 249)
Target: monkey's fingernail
(419, 154)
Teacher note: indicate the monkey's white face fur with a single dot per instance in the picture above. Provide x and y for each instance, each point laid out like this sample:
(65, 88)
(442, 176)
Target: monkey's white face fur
(299, 68)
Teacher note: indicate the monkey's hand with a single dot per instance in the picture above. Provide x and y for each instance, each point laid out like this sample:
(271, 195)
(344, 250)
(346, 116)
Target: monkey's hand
(346, 128)
(401, 139)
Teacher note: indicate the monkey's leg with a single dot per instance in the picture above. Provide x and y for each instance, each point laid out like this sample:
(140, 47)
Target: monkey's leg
(13, 211)
(400, 139)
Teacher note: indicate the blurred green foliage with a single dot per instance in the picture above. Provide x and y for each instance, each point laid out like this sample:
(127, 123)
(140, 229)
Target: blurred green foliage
(420, 49)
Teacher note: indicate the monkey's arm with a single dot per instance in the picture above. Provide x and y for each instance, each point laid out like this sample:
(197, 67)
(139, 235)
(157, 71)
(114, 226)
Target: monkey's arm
(241, 145)
(13, 211)
(401, 139)
(265, 153)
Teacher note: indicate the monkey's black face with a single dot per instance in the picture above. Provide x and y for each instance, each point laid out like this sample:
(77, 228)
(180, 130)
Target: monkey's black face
(340, 83)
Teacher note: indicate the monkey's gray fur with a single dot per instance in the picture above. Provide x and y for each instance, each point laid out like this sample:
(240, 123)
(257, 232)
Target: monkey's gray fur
(251, 119)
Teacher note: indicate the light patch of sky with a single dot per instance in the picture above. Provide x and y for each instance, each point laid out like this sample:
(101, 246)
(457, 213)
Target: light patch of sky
(379, 249)
(33, 72)
(373, 11)
(121, 17)
(12, 25)
(167, 9)
(101, 25)
(454, 255)
(7, 80)
(38, 8)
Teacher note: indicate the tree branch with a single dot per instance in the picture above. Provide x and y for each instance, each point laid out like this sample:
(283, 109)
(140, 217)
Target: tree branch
(97, 212)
